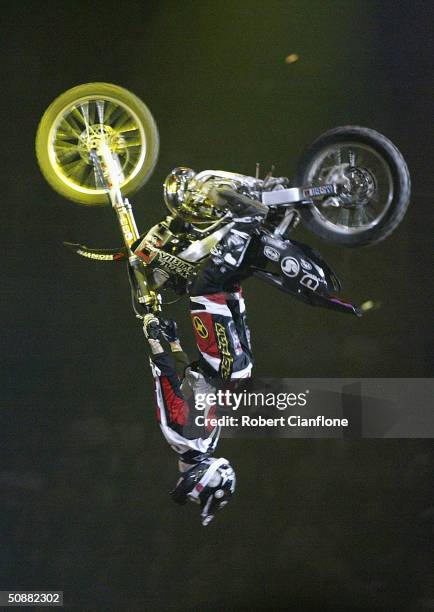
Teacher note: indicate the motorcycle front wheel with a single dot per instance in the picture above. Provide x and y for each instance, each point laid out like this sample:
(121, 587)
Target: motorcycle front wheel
(77, 121)
(373, 186)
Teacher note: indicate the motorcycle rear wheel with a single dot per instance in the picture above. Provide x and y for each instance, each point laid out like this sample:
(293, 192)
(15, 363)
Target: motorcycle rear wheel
(71, 127)
(369, 214)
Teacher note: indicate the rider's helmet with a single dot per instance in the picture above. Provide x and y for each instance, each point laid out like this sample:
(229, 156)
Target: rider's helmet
(184, 200)
(210, 483)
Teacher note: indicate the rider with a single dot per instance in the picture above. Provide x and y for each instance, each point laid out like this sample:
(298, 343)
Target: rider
(223, 338)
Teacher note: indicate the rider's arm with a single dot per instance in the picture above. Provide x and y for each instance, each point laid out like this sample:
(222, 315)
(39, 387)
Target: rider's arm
(156, 330)
(181, 361)
(240, 205)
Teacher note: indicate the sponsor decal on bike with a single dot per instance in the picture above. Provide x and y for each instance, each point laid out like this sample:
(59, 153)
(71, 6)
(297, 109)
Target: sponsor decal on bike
(174, 264)
(146, 251)
(305, 264)
(310, 192)
(223, 346)
(290, 266)
(310, 281)
(271, 253)
(319, 270)
(98, 256)
(200, 327)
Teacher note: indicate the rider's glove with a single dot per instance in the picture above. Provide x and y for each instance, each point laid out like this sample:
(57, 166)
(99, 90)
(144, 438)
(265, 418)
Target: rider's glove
(151, 327)
(276, 182)
(169, 330)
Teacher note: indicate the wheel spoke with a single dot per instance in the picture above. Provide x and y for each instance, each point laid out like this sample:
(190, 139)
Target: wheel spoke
(108, 112)
(118, 118)
(100, 109)
(113, 115)
(128, 164)
(369, 214)
(66, 154)
(87, 176)
(67, 131)
(132, 127)
(137, 142)
(123, 121)
(85, 112)
(352, 157)
(358, 217)
(333, 214)
(337, 155)
(343, 216)
(75, 126)
(70, 166)
(77, 116)
(76, 170)
(64, 145)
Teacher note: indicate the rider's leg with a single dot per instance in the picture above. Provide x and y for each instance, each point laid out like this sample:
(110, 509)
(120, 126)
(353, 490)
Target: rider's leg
(219, 322)
(175, 387)
(204, 479)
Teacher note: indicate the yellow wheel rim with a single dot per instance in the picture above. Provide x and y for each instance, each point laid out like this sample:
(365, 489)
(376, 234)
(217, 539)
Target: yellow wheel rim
(80, 127)
(74, 125)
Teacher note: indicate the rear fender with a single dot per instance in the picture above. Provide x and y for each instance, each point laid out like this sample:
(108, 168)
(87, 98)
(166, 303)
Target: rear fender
(298, 269)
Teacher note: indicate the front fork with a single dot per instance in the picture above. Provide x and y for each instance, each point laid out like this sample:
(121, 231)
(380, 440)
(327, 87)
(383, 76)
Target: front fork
(107, 173)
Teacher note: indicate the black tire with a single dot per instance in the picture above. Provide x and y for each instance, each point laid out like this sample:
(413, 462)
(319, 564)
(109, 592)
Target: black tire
(399, 194)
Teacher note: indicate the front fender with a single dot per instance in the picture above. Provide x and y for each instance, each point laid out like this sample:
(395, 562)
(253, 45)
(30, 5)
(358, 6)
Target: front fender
(97, 254)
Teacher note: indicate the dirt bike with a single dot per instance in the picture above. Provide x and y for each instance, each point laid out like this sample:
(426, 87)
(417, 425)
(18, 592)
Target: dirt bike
(97, 143)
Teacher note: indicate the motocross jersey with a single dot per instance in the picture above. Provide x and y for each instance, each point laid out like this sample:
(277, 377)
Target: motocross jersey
(218, 311)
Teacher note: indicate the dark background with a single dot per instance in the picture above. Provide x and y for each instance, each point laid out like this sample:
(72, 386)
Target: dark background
(84, 474)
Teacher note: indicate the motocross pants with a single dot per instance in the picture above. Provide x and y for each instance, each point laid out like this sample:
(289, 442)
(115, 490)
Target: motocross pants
(223, 339)
(176, 388)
